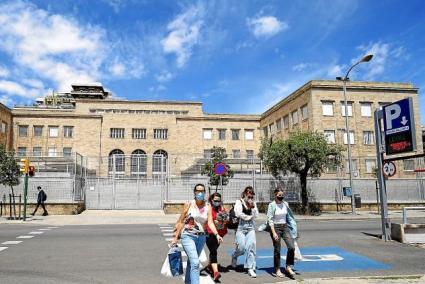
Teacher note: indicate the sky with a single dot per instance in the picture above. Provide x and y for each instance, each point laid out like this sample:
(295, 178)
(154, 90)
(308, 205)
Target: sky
(234, 56)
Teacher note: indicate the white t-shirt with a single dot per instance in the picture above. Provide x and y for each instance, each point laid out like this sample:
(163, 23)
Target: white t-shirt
(280, 214)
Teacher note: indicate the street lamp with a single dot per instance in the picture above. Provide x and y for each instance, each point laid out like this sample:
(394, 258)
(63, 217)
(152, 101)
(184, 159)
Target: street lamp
(344, 80)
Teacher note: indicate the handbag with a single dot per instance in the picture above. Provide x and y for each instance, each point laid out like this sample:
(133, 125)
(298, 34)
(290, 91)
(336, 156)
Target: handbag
(298, 255)
(175, 261)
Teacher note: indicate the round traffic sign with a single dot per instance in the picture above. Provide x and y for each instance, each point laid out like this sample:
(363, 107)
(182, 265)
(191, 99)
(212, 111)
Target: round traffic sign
(220, 169)
(389, 169)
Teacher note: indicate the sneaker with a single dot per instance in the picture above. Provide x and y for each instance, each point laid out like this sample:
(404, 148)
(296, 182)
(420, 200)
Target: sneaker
(251, 272)
(45, 214)
(278, 274)
(234, 262)
(217, 276)
(32, 214)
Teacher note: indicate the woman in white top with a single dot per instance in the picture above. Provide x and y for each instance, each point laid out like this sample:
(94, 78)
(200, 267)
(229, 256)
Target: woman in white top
(246, 210)
(191, 229)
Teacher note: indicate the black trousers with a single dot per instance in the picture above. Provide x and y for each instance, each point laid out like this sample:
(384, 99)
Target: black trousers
(42, 206)
(283, 232)
(212, 245)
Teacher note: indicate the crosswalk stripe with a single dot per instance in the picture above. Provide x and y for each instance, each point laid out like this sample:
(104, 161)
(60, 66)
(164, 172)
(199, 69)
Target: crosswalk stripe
(44, 229)
(3, 248)
(25, 237)
(11, 243)
(168, 234)
(167, 230)
(36, 233)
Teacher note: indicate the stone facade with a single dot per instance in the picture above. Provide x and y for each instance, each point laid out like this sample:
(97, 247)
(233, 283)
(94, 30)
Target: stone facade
(6, 126)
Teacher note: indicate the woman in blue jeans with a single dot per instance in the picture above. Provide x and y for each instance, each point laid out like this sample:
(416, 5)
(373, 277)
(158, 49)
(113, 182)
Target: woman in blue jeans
(246, 210)
(191, 228)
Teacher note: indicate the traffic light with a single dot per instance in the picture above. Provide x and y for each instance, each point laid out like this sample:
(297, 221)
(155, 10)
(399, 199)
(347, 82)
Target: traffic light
(31, 171)
(25, 167)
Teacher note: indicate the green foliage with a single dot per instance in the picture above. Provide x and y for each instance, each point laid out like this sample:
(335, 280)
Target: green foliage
(218, 155)
(9, 168)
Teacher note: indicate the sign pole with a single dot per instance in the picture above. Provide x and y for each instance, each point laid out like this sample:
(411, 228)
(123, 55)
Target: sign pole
(385, 222)
(25, 196)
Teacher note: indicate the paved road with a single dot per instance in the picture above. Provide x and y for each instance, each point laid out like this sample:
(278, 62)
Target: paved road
(135, 253)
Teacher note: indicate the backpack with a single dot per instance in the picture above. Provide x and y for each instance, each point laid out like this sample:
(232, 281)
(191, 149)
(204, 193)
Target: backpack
(44, 196)
(233, 220)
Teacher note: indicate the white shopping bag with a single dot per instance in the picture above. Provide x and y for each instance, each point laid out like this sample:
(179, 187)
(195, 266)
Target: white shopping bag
(203, 259)
(165, 270)
(298, 255)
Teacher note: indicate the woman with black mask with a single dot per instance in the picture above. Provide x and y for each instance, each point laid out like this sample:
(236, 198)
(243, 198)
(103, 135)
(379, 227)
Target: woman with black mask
(220, 218)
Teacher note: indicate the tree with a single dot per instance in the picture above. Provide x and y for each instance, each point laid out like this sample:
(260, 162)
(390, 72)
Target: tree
(303, 153)
(9, 170)
(218, 155)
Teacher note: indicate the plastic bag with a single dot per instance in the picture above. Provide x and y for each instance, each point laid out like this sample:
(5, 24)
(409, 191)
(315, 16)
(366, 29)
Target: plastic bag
(298, 255)
(165, 270)
(173, 264)
(203, 259)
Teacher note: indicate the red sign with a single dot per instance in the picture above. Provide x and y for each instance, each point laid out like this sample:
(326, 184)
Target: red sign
(220, 169)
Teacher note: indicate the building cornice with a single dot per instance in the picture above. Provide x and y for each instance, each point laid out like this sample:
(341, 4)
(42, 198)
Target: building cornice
(58, 115)
(137, 102)
(219, 118)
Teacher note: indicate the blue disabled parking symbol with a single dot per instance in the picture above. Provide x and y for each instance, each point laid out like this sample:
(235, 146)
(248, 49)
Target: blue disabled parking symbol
(318, 259)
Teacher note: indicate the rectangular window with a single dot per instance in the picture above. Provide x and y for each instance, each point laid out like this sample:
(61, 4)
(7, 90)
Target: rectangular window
(349, 108)
(366, 109)
(160, 133)
(117, 133)
(353, 163)
(408, 165)
(138, 133)
(265, 132)
(207, 134)
(332, 166)
(294, 116)
(330, 136)
(38, 130)
(23, 130)
(22, 151)
(3, 127)
(328, 108)
(370, 165)
(278, 125)
(236, 154)
(53, 131)
(37, 152)
(52, 152)
(235, 134)
(368, 137)
(271, 128)
(250, 154)
(351, 137)
(67, 151)
(207, 153)
(304, 111)
(222, 134)
(286, 122)
(249, 134)
(68, 131)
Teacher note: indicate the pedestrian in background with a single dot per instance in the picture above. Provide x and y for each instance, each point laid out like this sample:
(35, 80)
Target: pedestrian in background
(282, 226)
(191, 229)
(41, 198)
(246, 210)
(220, 218)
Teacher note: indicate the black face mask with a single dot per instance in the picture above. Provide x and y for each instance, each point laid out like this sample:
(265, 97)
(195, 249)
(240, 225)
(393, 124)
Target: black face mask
(280, 198)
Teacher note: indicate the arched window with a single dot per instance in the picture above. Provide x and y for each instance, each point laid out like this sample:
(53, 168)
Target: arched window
(116, 162)
(160, 158)
(139, 163)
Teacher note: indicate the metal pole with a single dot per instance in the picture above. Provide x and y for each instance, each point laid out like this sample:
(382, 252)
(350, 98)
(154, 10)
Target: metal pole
(25, 196)
(347, 131)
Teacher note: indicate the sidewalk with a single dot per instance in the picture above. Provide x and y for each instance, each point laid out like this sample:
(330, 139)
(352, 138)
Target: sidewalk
(363, 280)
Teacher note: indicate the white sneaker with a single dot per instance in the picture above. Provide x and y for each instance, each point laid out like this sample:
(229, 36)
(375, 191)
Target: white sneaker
(251, 272)
(234, 261)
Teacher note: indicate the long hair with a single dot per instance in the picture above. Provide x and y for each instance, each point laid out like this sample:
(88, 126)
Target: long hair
(210, 199)
(248, 189)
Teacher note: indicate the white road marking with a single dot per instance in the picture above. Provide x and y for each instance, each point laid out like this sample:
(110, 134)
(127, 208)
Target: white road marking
(167, 230)
(36, 233)
(168, 239)
(168, 234)
(3, 248)
(311, 257)
(25, 237)
(53, 227)
(11, 242)
(44, 229)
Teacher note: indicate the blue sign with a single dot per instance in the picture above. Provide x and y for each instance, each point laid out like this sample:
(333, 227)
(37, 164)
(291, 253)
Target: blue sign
(399, 127)
(317, 259)
(220, 169)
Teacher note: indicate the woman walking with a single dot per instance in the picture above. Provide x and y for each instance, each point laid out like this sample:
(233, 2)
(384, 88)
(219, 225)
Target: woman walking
(190, 228)
(282, 226)
(246, 210)
(220, 218)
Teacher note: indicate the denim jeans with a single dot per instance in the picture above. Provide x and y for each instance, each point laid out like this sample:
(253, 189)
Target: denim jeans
(193, 246)
(283, 232)
(246, 243)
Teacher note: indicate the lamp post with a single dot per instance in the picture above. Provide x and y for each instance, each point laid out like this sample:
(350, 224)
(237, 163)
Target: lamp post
(344, 80)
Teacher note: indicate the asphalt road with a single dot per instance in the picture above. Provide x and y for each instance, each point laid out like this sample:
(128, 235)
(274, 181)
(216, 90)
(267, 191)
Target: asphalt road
(135, 253)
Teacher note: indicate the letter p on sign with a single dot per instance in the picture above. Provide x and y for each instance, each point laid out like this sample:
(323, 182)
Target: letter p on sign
(392, 112)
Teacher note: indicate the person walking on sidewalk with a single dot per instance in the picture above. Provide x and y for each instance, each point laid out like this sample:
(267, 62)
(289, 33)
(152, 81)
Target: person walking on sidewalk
(246, 210)
(282, 226)
(191, 229)
(220, 218)
(41, 197)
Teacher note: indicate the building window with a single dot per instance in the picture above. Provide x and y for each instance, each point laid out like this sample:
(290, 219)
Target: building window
(222, 134)
(236, 154)
(139, 163)
(22, 151)
(67, 151)
(207, 153)
(279, 125)
(294, 116)
(68, 131)
(116, 162)
(117, 133)
(408, 165)
(330, 136)
(349, 108)
(51, 152)
(37, 152)
(332, 166)
(271, 128)
(138, 133)
(38, 130)
(351, 137)
(235, 134)
(286, 122)
(250, 154)
(160, 133)
(53, 131)
(368, 137)
(3, 127)
(328, 108)
(249, 134)
(366, 109)
(370, 165)
(265, 132)
(353, 163)
(207, 134)
(23, 130)
(304, 112)
(159, 162)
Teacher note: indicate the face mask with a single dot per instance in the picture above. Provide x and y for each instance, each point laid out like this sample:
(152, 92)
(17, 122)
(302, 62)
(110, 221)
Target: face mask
(280, 198)
(216, 203)
(200, 196)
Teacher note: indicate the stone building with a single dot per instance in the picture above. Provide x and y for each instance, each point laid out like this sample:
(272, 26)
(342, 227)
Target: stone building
(6, 126)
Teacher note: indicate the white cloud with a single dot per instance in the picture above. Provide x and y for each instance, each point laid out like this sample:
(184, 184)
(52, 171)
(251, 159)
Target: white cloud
(117, 69)
(266, 26)
(301, 66)
(336, 71)
(4, 72)
(157, 89)
(13, 88)
(381, 52)
(33, 83)
(184, 33)
(164, 76)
